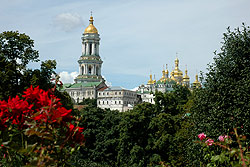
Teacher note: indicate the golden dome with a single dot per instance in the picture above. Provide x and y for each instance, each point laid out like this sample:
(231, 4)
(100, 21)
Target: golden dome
(154, 81)
(186, 77)
(91, 28)
(172, 76)
(166, 72)
(163, 78)
(196, 82)
(150, 81)
(177, 72)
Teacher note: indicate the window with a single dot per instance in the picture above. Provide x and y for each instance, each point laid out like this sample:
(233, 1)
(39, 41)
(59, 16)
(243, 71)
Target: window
(90, 48)
(82, 70)
(107, 93)
(85, 45)
(99, 93)
(103, 102)
(120, 93)
(115, 102)
(90, 70)
(103, 93)
(107, 102)
(119, 102)
(99, 102)
(115, 93)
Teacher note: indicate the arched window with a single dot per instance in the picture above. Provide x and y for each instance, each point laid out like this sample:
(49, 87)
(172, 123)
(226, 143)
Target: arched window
(82, 70)
(90, 48)
(90, 70)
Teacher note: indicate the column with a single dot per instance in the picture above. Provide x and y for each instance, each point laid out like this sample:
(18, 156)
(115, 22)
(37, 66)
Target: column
(87, 69)
(94, 70)
(97, 49)
(99, 70)
(80, 70)
(93, 49)
(83, 49)
(87, 49)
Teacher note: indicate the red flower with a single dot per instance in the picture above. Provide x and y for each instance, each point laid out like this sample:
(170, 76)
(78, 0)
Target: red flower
(75, 133)
(59, 114)
(15, 110)
(39, 106)
(32, 94)
(202, 136)
(209, 142)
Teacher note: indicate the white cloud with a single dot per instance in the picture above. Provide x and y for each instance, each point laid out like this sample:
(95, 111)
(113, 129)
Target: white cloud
(66, 77)
(68, 21)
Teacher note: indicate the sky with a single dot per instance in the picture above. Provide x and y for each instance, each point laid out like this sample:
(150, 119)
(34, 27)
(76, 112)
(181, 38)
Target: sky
(138, 37)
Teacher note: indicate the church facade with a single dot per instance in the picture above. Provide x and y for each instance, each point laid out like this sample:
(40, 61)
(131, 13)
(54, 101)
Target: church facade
(166, 83)
(89, 80)
(90, 83)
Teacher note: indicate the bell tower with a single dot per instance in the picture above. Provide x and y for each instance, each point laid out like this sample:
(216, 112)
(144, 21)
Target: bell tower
(90, 62)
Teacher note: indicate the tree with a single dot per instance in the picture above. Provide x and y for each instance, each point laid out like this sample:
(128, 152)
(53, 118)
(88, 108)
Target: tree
(224, 102)
(16, 51)
(101, 134)
(37, 131)
(149, 134)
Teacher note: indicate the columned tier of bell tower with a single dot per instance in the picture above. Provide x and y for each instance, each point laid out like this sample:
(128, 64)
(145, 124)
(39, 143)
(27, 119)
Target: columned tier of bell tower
(90, 44)
(90, 62)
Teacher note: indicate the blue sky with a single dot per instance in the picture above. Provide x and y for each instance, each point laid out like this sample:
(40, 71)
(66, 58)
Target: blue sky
(137, 36)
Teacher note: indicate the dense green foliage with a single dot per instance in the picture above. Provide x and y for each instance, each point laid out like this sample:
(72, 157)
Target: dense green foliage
(16, 52)
(164, 133)
(144, 136)
(224, 102)
(160, 134)
(92, 102)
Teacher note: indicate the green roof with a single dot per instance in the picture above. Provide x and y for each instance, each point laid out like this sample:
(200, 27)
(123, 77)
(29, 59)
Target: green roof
(87, 84)
(78, 85)
(169, 81)
(64, 86)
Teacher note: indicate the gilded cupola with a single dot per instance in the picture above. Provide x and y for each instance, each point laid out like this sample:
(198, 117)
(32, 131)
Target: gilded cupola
(150, 81)
(91, 28)
(196, 83)
(186, 77)
(166, 71)
(163, 78)
(154, 81)
(177, 72)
